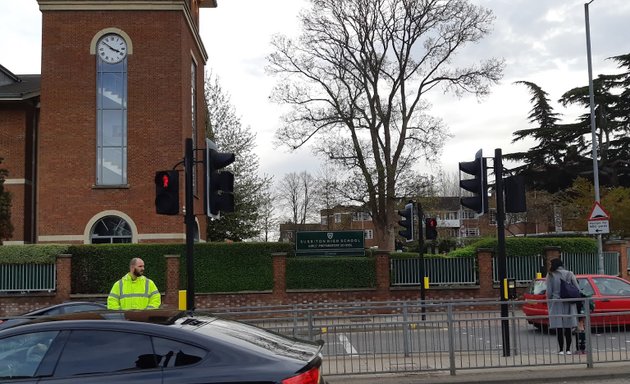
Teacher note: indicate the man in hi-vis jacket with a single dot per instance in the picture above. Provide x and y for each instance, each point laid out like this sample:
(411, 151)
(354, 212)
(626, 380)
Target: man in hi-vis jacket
(134, 290)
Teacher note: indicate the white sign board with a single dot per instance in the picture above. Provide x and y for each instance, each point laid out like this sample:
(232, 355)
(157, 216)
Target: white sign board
(597, 227)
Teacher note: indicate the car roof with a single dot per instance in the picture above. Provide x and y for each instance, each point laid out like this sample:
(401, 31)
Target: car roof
(587, 275)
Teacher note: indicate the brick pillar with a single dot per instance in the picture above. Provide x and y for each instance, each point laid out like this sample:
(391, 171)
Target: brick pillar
(63, 264)
(382, 273)
(279, 276)
(620, 246)
(484, 262)
(549, 253)
(171, 296)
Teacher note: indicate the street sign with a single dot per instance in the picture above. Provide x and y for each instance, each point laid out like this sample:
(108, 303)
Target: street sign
(598, 212)
(598, 227)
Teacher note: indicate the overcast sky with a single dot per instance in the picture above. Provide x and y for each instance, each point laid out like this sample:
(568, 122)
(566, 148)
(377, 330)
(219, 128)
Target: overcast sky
(542, 41)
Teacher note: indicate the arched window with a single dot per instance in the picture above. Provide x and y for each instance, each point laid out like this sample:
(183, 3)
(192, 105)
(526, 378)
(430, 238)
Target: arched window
(110, 229)
(111, 106)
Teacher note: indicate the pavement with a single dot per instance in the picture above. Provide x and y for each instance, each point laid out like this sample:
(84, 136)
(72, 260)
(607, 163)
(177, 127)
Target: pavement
(539, 374)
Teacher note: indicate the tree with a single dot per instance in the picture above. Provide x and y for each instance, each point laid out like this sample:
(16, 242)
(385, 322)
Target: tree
(267, 220)
(226, 130)
(357, 81)
(564, 151)
(296, 192)
(6, 228)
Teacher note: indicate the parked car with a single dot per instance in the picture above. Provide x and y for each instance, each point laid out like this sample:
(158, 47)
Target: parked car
(58, 309)
(159, 346)
(609, 293)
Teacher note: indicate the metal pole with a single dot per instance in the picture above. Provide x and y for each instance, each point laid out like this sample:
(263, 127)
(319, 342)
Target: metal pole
(501, 258)
(189, 220)
(593, 133)
(422, 271)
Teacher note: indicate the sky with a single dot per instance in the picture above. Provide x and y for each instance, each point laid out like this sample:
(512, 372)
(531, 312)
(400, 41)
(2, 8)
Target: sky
(542, 41)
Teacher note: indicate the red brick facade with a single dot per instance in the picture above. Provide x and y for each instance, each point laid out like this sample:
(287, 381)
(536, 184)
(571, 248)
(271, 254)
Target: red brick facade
(163, 43)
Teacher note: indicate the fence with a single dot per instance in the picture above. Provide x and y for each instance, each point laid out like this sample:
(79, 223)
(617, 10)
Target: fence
(28, 277)
(463, 271)
(455, 271)
(447, 336)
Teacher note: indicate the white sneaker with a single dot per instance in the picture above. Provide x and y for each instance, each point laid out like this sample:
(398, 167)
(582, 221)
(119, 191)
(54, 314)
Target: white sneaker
(568, 353)
(561, 353)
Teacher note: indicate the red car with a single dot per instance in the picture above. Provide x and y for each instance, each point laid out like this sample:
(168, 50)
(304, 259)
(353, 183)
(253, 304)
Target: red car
(609, 293)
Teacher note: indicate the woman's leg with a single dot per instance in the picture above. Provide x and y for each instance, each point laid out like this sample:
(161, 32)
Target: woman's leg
(560, 336)
(567, 336)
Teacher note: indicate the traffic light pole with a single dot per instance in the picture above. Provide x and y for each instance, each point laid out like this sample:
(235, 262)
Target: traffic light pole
(501, 257)
(189, 220)
(421, 252)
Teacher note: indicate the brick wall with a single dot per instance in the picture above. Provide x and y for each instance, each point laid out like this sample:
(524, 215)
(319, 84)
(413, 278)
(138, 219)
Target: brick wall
(279, 295)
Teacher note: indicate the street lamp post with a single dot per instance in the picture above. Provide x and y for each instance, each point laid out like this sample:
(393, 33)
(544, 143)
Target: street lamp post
(593, 133)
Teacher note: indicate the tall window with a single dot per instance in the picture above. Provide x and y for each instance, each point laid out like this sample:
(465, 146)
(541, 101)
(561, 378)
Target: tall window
(111, 119)
(193, 104)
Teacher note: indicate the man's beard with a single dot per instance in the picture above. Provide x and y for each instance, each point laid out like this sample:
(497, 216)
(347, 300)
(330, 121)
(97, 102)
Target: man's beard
(137, 273)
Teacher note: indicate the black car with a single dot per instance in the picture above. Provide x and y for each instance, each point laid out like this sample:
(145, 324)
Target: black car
(58, 309)
(159, 346)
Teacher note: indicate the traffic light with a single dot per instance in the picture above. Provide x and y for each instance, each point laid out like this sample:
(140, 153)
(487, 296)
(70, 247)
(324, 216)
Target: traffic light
(478, 185)
(407, 223)
(430, 229)
(219, 185)
(167, 192)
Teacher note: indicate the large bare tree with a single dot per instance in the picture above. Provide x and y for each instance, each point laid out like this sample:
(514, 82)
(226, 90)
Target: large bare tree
(357, 80)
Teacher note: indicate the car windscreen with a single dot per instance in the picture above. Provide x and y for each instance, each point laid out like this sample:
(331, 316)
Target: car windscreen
(609, 286)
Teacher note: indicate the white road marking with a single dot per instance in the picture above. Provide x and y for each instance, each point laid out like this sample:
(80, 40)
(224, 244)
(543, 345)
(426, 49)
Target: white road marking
(347, 345)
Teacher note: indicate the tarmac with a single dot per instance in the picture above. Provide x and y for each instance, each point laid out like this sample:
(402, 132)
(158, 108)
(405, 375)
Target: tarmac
(544, 374)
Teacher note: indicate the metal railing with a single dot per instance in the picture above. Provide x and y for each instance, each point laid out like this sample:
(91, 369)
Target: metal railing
(27, 278)
(389, 337)
(521, 268)
(463, 271)
(581, 263)
(453, 271)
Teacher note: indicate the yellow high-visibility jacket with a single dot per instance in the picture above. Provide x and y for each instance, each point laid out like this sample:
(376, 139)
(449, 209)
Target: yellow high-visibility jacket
(140, 293)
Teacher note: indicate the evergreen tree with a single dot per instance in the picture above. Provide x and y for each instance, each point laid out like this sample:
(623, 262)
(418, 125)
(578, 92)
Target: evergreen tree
(224, 127)
(6, 228)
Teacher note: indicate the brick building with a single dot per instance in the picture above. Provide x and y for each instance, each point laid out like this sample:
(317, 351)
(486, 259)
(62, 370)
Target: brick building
(121, 88)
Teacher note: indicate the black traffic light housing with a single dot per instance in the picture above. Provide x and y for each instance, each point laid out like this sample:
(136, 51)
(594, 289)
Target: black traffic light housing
(430, 228)
(167, 192)
(407, 223)
(219, 184)
(478, 184)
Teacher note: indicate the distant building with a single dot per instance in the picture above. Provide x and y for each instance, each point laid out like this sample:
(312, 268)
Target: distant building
(454, 221)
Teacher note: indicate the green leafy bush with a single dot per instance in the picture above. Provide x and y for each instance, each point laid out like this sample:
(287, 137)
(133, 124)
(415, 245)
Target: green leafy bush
(525, 246)
(31, 253)
(330, 272)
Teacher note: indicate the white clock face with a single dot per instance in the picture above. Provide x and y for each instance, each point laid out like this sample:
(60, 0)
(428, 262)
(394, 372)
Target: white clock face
(112, 48)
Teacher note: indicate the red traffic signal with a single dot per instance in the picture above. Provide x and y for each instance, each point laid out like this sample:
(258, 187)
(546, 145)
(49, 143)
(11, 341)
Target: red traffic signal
(167, 192)
(430, 225)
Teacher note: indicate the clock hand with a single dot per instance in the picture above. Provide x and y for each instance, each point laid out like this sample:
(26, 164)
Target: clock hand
(112, 48)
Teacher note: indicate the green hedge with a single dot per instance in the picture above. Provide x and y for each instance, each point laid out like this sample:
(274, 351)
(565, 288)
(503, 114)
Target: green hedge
(330, 272)
(525, 246)
(219, 267)
(31, 254)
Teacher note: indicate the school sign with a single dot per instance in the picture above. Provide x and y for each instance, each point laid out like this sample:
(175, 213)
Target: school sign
(330, 243)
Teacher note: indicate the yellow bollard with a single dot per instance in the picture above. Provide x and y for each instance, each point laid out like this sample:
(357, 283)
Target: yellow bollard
(426, 282)
(182, 300)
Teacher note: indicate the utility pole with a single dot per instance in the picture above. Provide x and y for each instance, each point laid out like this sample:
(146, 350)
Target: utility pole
(501, 257)
(421, 252)
(189, 220)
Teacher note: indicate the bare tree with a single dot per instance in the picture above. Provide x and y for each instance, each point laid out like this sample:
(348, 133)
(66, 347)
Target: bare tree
(268, 222)
(296, 193)
(357, 78)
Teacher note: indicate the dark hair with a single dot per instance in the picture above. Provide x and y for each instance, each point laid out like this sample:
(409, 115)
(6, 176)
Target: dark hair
(555, 264)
